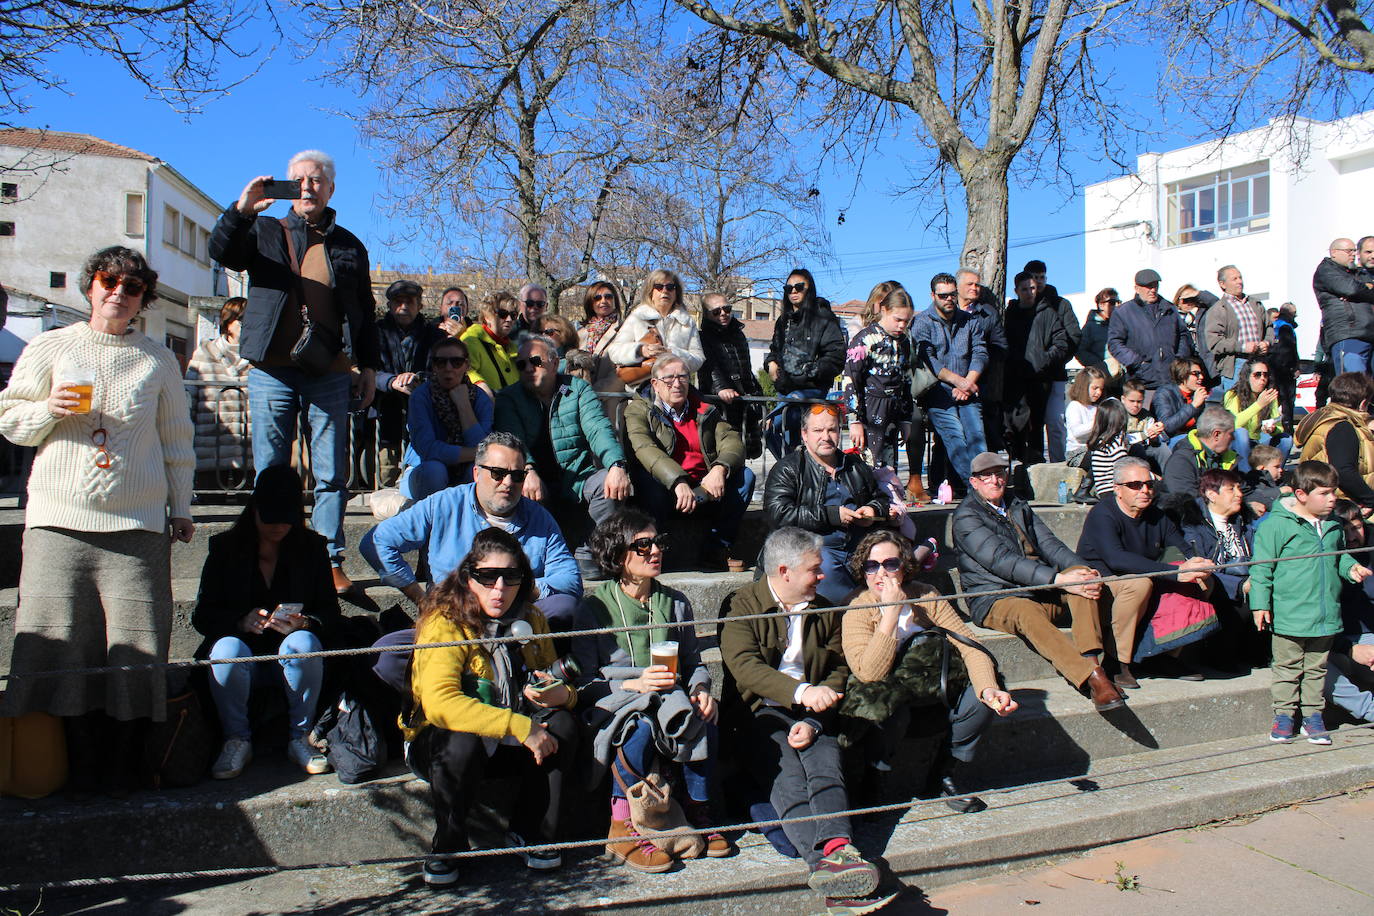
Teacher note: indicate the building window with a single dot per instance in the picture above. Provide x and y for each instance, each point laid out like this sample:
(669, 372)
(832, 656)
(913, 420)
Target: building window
(133, 215)
(9, 191)
(1220, 205)
(57, 279)
(203, 248)
(171, 226)
(188, 236)
(6, 229)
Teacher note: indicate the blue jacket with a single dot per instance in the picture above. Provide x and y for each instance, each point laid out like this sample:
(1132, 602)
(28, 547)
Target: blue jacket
(1147, 338)
(427, 442)
(959, 345)
(448, 521)
(1170, 408)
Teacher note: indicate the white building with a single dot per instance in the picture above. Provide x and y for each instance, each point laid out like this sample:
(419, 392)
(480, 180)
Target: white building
(64, 196)
(1269, 201)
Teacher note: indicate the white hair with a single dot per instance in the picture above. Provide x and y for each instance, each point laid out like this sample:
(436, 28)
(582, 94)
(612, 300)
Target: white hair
(531, 287)
(319, 157)
(1125, 464)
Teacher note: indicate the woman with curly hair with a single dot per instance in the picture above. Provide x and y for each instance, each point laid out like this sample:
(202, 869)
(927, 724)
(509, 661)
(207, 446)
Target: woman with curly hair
(897, 652)
(488, 706)
(637, 707)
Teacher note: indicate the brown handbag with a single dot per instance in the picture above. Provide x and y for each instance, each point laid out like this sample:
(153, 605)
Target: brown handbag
(633, 375)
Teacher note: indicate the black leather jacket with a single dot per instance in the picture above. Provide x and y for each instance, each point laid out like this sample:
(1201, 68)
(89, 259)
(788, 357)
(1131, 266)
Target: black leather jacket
(796, 488)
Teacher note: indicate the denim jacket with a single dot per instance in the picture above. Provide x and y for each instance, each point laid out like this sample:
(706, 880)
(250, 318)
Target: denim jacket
(959, 344)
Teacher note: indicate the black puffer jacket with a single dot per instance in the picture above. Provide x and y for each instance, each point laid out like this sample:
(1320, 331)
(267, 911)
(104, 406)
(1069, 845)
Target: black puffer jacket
(795, 491)
(1053, 338)
(1344, 301)
(727, 359)
(808, 347)
(258, 245)
(991, 555)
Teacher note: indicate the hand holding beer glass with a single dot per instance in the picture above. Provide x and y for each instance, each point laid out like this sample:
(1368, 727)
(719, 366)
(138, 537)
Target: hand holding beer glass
(661, 675)
(71, 393)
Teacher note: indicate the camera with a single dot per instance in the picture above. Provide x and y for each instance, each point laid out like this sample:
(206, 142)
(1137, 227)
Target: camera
(564, 670)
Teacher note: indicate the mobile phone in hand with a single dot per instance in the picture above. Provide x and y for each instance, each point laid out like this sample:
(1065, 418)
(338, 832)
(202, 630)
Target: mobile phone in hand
(282, 189)
(287, 611)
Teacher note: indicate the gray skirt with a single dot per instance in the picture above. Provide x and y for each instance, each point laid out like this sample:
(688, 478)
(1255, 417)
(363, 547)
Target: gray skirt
(88, 600)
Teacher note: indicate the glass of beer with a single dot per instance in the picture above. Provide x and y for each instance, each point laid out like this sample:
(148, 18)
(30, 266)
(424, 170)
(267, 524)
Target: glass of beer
(80, 382)
(664, 653)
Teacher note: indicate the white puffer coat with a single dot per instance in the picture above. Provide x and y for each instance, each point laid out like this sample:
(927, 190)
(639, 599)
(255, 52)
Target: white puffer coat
(220, 413)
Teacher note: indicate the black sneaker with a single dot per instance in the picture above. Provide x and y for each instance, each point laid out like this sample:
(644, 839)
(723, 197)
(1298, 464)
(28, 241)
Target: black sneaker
(440, 872)
(536, 859)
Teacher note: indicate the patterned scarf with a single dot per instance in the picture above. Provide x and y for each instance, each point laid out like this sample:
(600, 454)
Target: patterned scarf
(595, 328)
(448, 413)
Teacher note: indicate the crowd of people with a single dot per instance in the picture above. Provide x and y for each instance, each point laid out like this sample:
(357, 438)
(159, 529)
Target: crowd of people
(550, 471)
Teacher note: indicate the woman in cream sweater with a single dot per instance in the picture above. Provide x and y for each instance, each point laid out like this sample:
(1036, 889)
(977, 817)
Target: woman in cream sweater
(891, 646)
(114, 462)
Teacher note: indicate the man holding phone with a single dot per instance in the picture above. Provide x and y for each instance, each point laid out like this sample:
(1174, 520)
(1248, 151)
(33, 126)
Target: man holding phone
(307, 325)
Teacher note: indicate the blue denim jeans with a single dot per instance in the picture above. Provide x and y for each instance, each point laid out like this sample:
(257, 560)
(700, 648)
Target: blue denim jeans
(640, 752)
(961, 429)
(784, 423)
(1240, 444)
(1350, 685)
(1056, 428)
(276, 397)
(301, 677)
(424, 479)
(838, 584)
(1352, 356)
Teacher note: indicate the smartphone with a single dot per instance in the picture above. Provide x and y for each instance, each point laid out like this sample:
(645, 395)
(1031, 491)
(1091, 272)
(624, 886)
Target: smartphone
(288, 189)
(287, 611)
(455, 312)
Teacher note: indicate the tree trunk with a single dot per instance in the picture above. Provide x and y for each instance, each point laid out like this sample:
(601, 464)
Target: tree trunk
(986, 196)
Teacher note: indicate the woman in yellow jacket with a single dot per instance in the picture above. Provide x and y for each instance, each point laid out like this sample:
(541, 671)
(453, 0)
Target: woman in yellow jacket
(1255, 403)
(491, 349)
(490, 706)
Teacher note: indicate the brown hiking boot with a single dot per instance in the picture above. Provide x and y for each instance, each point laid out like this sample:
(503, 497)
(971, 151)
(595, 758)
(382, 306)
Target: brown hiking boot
(916, 492)
(624, 844)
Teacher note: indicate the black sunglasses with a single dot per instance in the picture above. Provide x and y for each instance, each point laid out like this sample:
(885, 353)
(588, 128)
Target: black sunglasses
(794, 287)
(723, 310)
(488, 575)
(499, 474)
(452, 362)
(945, 295)
(891, 564)
(1137, 484)
(503, 314)
(645, 546)
(539, 302)
(603, 297)
(665, 287)
(1111, 301)
(535, 361)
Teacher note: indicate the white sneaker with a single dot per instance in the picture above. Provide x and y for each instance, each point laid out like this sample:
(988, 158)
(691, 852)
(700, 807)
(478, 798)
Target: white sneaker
(306, 757)
(231, 761)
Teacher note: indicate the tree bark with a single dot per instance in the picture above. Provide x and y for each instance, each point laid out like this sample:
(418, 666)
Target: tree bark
(987, 197)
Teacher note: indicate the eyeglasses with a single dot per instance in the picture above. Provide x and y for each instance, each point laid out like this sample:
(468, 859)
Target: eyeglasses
(671, 380)
(645, 546)
(499, 474)
(794, 287)
(603, 297)
(539, 302)
(504, 314)
(490, 575)
(536, 362)
(891, 564)
(103, 458)
(1137, 484)
(945, 295)
(998, 473)
(132, 285)
(665, 287)
(723, 310)
(453, 362)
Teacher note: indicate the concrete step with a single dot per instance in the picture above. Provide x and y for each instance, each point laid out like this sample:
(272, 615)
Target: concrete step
(275, 815)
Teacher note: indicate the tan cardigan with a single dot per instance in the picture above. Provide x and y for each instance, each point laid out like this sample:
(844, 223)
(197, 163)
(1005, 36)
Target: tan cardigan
(870, 654)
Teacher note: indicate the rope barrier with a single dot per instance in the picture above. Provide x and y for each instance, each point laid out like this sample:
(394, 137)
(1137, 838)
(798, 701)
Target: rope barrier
(740, 827)
(630, 628)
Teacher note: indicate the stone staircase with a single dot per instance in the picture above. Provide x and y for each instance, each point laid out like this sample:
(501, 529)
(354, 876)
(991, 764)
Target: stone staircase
(1058, 778)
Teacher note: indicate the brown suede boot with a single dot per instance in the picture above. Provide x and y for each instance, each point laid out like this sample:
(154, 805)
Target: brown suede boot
(624, 844)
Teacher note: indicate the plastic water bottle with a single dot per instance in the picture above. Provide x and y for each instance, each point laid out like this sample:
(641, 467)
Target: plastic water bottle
(1063, 492)
(944, 495)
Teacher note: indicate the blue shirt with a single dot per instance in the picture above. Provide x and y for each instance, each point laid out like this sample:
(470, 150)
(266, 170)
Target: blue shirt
(959, 344)
(448, 521)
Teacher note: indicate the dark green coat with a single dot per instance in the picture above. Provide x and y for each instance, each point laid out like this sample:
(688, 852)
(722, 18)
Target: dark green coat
(583, 440)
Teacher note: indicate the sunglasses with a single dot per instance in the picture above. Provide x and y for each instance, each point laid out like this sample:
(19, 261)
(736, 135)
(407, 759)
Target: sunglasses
(103, 458)
(1259, 374)
(132, 285)
(453, 362)
(603, 297)
(723, 310)
(536, 302)
(1111, 302)
(490, 575)
(665, 287)
(945, 295)
(535, 361)
(504, 315)
(1137, 484)
(499, 474)
(794, 287)
(645, 546)
(891, 564)
(832, 409)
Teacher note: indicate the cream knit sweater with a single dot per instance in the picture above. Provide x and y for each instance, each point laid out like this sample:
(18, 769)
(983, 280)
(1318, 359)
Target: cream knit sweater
(138, 400)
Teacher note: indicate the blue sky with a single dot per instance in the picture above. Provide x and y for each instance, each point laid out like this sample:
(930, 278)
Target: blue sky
(259, 124)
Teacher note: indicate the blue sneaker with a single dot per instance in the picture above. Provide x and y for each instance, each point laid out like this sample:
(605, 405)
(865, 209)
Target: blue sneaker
(1314, 729)
(1283, 729)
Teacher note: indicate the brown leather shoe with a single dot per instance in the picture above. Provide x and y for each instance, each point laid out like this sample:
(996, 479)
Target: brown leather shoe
(699, 815)
(624, 844)
(1103, 692)
(342, 584)
(916, 492)
(1126, 679)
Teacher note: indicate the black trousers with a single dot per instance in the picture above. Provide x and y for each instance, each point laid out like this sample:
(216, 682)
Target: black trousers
(805, 782)
(455, 762)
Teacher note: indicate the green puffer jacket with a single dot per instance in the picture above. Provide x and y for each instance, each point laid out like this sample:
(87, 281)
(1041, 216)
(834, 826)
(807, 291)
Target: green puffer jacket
(1304, 595)
(583, 440)
(651, 436)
